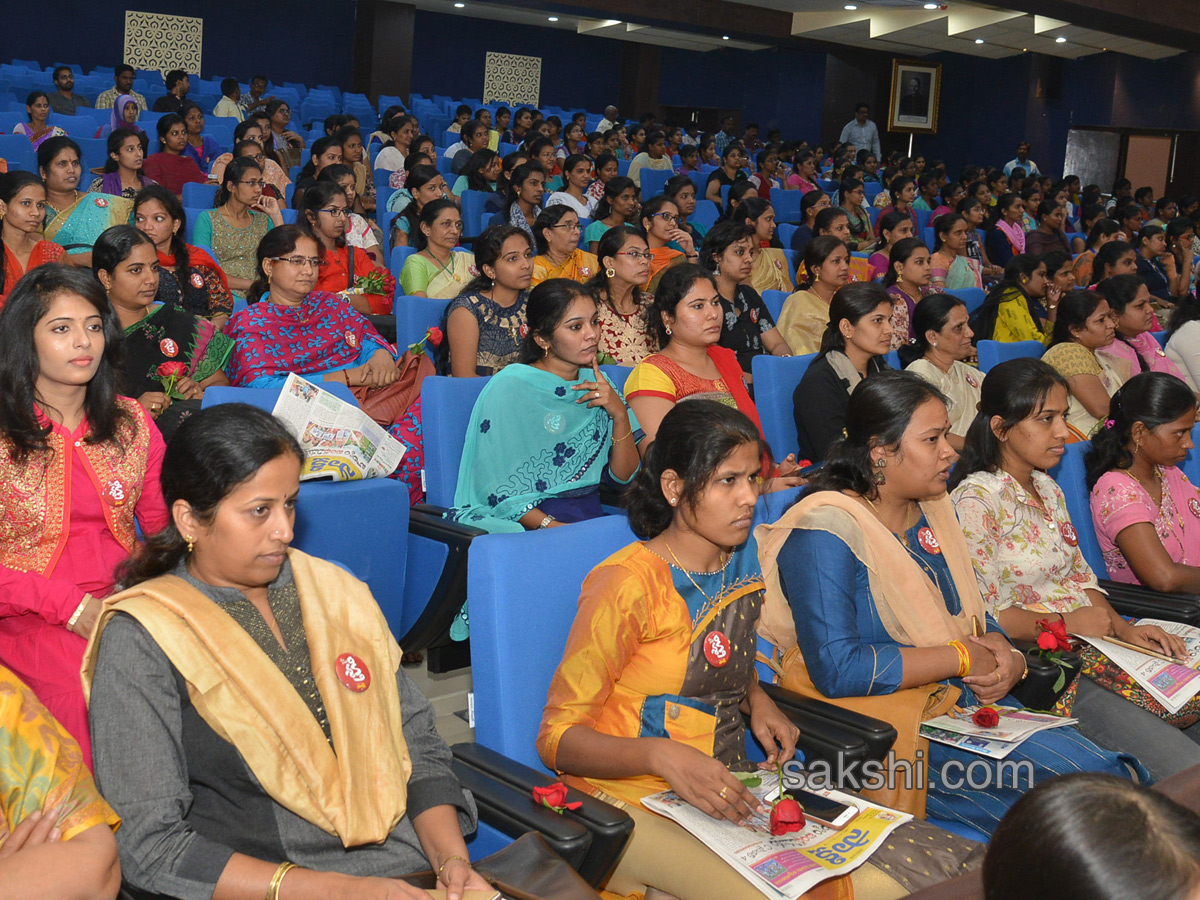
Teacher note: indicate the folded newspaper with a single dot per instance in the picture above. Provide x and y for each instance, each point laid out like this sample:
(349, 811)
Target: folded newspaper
(1015, 725)
(340, 441)
(1172, 684)
(791, 864)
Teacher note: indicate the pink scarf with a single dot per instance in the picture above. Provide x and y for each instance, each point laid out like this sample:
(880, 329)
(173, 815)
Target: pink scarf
(1015, 233)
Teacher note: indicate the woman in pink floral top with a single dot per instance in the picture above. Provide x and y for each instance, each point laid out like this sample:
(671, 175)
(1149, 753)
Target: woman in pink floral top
(1146, 512)
(1029, 567)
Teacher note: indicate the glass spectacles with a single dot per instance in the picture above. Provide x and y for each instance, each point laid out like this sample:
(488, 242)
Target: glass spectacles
(337, 213)
(566, 226)
(299, 262)
(635, 254)
(669, 218)
(259, 183)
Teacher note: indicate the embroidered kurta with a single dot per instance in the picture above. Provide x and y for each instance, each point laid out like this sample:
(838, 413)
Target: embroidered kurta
(626, 338)
(1023, 557)
(961, 385)
(1118, 500)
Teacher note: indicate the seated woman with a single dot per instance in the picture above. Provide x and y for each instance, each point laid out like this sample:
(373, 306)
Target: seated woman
(893, 228)
(741, 190)
(523, 198)
(479, 174)
(125, 114)
(242, 216)
(622, 307)
(324, 152)
(201, 147)
(852, 199)
(272, 171)
(767, 175)
(1136, 349)
(952, 195)
(770, 271)
(618, 206)
(557, 375)
(1162, 271)
(856, 339)
(871, 598)
(804, 172)
(322, 214)
(748, 329)
(423, 184)
(1049, 234)
(1139, 495)
(938, 353)
(975, 214)
(903, 192)
(1012, 310)
(950, 267)
(1096, 838)
(290, 326)
(811, 205)
(353, 154)
(188, 277)
(437, 269)
(360, 233)
(643, 615)
(1085, 326)
(806, 313)
(1006, 238)
(484, 323)
(681, 190)
(577, 175)
(906, 282)
(1115, 257)
(606, 168)
(401, 131)
(556, 233)
(123, 169)
(22, 208)
(56, 831)
(733, 158)
(37, 107)
(1027, 562)
(126, 263)
(1183, 339)
(218, 596)
(73, 219)
(170, 166)
(66, 525)
(659, 220)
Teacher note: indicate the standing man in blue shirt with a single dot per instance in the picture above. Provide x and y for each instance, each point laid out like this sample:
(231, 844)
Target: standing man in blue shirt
(861, 132)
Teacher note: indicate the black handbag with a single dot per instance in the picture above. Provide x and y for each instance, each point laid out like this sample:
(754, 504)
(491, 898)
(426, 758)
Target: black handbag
(1036, 690)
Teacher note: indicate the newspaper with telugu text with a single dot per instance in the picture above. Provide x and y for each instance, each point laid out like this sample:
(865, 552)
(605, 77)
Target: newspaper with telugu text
(1172, 684)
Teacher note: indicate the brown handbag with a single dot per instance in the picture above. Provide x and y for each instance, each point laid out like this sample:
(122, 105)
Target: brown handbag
(527, 869)
(386, 405)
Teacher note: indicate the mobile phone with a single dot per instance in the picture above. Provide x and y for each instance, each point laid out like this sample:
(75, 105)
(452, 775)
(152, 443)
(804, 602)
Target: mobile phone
(822, 810)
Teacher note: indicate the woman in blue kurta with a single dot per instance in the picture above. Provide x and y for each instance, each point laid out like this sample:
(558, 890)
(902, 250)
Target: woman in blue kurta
(871, 596)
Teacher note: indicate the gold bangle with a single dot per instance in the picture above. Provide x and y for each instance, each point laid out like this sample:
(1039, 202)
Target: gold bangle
(277, 879)
(78, 611)
(617, 440)
(1024, 662)
(964, 657)
(450, 859)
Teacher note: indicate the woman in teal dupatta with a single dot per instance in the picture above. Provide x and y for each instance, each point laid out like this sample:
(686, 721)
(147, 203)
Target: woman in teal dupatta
(544, 435)
(75, 219)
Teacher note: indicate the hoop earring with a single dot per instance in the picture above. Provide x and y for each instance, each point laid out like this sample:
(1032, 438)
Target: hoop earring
(877, 476)
(610, 272)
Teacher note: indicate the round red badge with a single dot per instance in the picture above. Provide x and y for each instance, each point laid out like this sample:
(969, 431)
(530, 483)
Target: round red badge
(971, 381)
(928, 541)
(1194, 506)
(197, 280)
(351, 338)
(1068, 533)
(716, 649)
(585, 271)
(779, 265)
(101, 202)
(353, 672)
(114, 493)
(168, 347)
(754, 316)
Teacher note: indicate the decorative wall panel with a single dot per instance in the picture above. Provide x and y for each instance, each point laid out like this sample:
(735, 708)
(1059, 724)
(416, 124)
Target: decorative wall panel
(157, 41)
(512, 79)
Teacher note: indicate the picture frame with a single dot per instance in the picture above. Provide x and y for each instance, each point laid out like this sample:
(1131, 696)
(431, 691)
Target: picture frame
(916, 93)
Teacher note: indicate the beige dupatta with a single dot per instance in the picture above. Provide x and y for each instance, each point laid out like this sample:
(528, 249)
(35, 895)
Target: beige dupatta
(909, 604)
(356, 789)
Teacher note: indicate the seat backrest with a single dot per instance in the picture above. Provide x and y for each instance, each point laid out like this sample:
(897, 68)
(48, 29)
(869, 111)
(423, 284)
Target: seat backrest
(653, 182)
(774, 301)
(414, 317)
(199, 196)
(521, 614)
(775, 380)
(706, 213)
(446, 405)
(992, 353)
(265, 398)
(787, 207)
(397, 258)
(1071, 478)
(972, 297)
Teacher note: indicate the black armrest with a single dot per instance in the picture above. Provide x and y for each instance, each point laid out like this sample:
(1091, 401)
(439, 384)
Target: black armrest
(877, 736)
(513, 813)
(431, 630)
(1142, 602)
(609, 828)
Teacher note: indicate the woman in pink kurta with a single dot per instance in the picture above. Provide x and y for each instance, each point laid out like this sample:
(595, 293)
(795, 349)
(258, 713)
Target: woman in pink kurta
(1135, 345)
(78, 463)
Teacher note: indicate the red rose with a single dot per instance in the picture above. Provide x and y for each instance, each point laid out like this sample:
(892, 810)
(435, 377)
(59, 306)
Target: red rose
(986, 717)
(786, 816)
(1058, 633)
(554, 796)
(172, 368)
(435, 336)
(1047, 641)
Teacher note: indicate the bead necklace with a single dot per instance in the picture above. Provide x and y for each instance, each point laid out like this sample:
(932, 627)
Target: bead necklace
(710, 602)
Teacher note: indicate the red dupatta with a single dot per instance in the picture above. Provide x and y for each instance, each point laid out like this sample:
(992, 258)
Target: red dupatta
(196, 257)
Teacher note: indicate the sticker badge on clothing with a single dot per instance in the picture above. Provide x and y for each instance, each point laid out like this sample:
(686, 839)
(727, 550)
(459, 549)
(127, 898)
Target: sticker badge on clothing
(1068, 533)
(928, 541)
(169, 348)
(716, 648)
(353, 673)
(1194, 506)
(115, 493)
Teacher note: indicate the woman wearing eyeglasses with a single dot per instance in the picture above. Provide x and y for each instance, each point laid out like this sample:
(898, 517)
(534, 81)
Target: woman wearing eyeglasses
(622, 307)
(322, 214)
(556, 232)
(243, 215)
(660, 222)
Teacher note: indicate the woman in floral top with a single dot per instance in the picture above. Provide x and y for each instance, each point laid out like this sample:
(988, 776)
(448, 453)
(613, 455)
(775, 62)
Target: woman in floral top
(621, 304)
(1146, 512)
(1030, 569)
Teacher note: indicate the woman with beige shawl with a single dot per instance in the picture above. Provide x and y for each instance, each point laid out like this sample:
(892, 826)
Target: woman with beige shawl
(871, 601)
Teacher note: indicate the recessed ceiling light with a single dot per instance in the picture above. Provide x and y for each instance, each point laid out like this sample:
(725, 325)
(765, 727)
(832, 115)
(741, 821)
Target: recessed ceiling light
(459, 5)
(979, 40)
(553, 18)
(932, 6)
(724, 37)
(1060, 40)
(850, 6)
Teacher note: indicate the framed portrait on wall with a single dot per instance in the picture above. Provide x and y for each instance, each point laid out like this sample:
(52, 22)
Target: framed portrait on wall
(916, 90)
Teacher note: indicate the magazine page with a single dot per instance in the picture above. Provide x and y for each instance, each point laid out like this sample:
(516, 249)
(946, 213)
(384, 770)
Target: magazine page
(340, 441)
(786, 865)
(957, 729)
(1172, 684)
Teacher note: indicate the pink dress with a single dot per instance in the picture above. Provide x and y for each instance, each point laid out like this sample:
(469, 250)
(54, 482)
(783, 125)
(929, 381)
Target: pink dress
(1146, 346)
(36, 605)
(1118, 500)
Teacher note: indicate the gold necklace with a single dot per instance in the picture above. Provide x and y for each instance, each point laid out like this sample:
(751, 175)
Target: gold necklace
(710, 601)
(902, 536)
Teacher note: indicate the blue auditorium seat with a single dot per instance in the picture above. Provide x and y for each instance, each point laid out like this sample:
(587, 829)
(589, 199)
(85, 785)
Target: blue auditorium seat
(775, 380)
(972, 297)
(199, 196)
(653, 181)
(992, 353)
(415, 316)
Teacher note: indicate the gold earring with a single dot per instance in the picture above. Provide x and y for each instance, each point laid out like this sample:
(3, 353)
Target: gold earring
(610, 272)
(191, 543)
(877, 476)
(900, 278)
